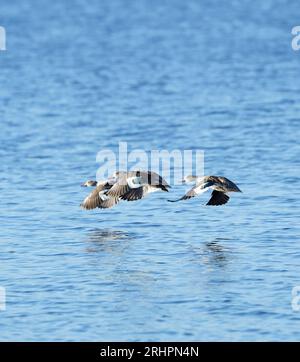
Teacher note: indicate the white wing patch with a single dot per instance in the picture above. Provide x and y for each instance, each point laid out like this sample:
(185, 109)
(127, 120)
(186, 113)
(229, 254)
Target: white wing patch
(200, 189)
(134, 182)
(103, 196)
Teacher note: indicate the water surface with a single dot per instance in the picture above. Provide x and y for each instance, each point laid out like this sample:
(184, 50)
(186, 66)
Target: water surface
(78, 77)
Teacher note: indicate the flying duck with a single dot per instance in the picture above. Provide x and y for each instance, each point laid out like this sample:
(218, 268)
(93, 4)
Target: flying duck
(134, 185)
(98, 197)
(220, 186)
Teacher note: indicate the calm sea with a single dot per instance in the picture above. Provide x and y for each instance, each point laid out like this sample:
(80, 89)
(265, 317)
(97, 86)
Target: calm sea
(77, 77)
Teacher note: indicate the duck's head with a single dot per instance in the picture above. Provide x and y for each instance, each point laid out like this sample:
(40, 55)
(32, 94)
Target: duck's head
(89, 183)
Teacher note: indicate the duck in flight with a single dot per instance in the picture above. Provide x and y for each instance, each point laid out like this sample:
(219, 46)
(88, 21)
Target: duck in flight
(135, 185)
(220, 186)
(98, 198)
(129, 186)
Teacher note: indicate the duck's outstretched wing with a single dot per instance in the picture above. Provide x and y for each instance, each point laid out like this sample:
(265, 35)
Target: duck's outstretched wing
(224, 183)
(120, 188)
(154, 179)
(98, 199)
(218, 198)
(134, 194)
(195, 191)
(111, 202)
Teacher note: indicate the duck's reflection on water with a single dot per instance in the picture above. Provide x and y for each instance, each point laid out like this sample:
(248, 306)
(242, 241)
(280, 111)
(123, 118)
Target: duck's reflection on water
(108, 251)
(214, 252)
(107, 240)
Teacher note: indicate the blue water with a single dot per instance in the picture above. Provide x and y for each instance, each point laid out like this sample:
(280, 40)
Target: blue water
(81, 76)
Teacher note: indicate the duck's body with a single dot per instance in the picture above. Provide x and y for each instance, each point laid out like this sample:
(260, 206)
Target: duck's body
(220, 186)
(135, 185)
